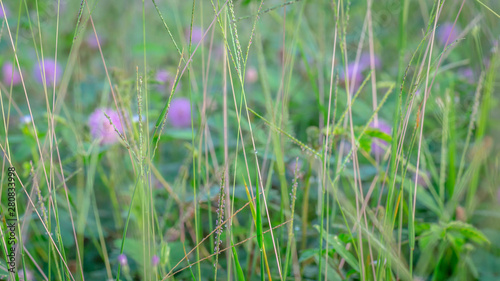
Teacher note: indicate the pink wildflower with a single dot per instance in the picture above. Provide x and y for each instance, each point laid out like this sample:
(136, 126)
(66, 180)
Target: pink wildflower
(354, 75)
(10, 74)
(196, 37)
(379, 146)
(166, 80)
(122, 259)
(447, 33)
(251, 75)
(91, 41)
(179, 113)
(100, 127)
(155, 260)
(52, 71)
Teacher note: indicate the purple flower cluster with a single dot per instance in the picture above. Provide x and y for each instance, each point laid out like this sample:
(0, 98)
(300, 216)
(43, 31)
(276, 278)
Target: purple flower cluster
(102, 129)
(50, 70)
(4, 14)
(196, 37)
(122, 259)
(92, 42)
(379, 146)
(447, 33)
(179, 113)
(155, 260)
(251, 75)
(355, 71)
(10, 74)
(467, 74)
(166, 80)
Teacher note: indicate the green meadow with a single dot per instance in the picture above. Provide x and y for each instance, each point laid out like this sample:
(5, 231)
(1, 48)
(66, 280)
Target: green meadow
(250, 140)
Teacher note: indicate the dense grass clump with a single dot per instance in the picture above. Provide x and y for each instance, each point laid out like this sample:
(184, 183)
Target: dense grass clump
(250, 140)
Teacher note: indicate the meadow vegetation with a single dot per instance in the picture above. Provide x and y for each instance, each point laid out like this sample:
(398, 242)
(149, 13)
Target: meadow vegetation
(250, 140)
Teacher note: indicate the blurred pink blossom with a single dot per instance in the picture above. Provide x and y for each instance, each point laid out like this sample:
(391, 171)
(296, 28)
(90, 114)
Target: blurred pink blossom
(122, 259)
(447, 33)
(364, 61)
(166, 80)
(2, 13)
(179, 113)
(354, 75)
(155, 260)
(196, 37)
(355, 71)
(100, 127)
(251, 75)
(467, 73)
(52, 71)
(91, 41)
(10, 74)
(379, 146)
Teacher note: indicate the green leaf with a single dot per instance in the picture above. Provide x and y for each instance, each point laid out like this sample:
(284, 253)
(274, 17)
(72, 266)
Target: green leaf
(258, 218)
(365, 143)
(164, 254)
(376, 133)
(239, 271)
(340, 248)
(307, 254)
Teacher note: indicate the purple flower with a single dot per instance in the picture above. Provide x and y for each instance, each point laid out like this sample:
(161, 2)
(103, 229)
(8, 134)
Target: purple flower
(179, 113)
(196, 37)
(100, 127)
(445, 31)
(155, 260)
(166, 79)
(10, 74)
(467, 73)
(122, 259)
(163, 76)
(355, 71)
(251, 75)
(364, 61)
(354, 75)
(379, 146)
(92, 41)
(2, 13)
(52, 71)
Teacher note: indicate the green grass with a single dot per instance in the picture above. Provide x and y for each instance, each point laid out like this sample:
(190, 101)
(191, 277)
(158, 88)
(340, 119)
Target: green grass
(277, 173)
